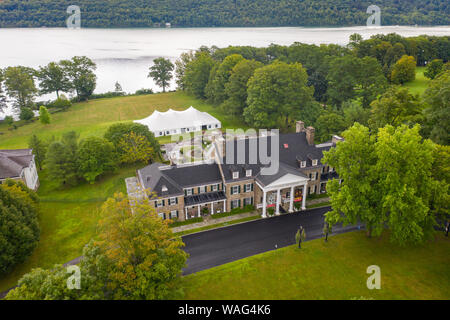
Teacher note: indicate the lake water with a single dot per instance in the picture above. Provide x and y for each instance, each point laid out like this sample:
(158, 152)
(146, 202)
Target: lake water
(124, 55)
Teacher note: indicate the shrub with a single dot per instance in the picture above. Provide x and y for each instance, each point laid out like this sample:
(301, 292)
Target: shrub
(26, 114)
(247, 208)
(9, 120)
(186, 222)
(60, 103)
(144, 91)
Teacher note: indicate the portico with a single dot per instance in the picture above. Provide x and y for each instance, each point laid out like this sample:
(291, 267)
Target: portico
(294, 185)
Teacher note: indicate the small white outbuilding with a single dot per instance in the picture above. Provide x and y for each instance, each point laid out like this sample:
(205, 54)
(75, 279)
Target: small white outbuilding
(179, 122)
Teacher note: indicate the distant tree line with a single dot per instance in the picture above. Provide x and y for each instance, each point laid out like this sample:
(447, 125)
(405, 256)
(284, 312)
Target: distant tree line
(222, 13)
(18, 84)
(327, 86)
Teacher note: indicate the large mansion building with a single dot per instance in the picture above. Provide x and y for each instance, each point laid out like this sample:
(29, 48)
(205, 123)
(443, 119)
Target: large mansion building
(187, 191)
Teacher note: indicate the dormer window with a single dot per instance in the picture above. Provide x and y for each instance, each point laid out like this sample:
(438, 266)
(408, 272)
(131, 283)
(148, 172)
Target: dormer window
(303, 164)
(236, 175)
(314, 162)
(164, 189)
(248, 172)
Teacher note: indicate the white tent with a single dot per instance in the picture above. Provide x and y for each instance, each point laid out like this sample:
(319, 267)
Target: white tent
(177, 122)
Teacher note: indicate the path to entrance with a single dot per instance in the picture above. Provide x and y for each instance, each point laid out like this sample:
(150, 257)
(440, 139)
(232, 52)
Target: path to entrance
(209, 221)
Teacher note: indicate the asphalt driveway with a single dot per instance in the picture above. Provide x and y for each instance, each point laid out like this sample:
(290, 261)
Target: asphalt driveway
(215, 247)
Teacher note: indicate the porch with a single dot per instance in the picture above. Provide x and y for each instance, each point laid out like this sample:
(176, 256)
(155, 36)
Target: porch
(204, 204)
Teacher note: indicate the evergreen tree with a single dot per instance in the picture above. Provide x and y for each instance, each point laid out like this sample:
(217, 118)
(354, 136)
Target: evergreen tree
(44, 115)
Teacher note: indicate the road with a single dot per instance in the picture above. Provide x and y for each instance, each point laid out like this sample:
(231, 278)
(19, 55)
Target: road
(215, 247)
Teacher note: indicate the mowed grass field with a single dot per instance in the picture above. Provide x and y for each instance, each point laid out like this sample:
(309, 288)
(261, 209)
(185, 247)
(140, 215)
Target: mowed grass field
(332, 270)
(94, 117)
(420, 84)
(68, 216)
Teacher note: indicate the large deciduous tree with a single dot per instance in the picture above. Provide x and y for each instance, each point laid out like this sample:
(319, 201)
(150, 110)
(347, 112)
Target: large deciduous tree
(61, 159)
(236, 87)
(386, 182)
(351, 78)
(329, 123)
(437, 97)
(80, 72)
(396, 106)
(277, 95)
(404, 70)
(146, 260)
(433, 68)
(118, 131)
(197, 72)
(20, 86)
(180, 68)
(96, 156)
(135, 148)
(161, 72)
(215, 89)
(19, 228)
(53, 79)
(135, 257)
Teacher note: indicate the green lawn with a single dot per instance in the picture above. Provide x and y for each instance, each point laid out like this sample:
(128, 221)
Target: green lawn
(68, 216)
(333, 270)
(419, 85)
(94, 117)
(68, 219)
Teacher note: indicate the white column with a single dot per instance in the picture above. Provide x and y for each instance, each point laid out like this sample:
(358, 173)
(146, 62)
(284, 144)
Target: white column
(212, 207)
(304, 197)
(291, 200)
(186, 215)
(277, 212)
(199, 211)
(225, 205)
(264, 205)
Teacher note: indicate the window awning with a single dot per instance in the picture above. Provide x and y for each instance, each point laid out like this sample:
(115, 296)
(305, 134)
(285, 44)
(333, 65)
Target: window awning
(204, 198)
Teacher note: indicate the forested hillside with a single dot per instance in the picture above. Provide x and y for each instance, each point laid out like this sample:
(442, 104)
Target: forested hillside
(222, 13)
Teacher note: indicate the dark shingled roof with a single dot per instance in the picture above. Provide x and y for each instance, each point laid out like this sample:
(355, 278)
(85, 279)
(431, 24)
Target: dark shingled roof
(155, 176)
(293, 147)
(12, 162)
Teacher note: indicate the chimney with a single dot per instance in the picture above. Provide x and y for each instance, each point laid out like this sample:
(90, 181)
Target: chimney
(310, 135)
(299, 126)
